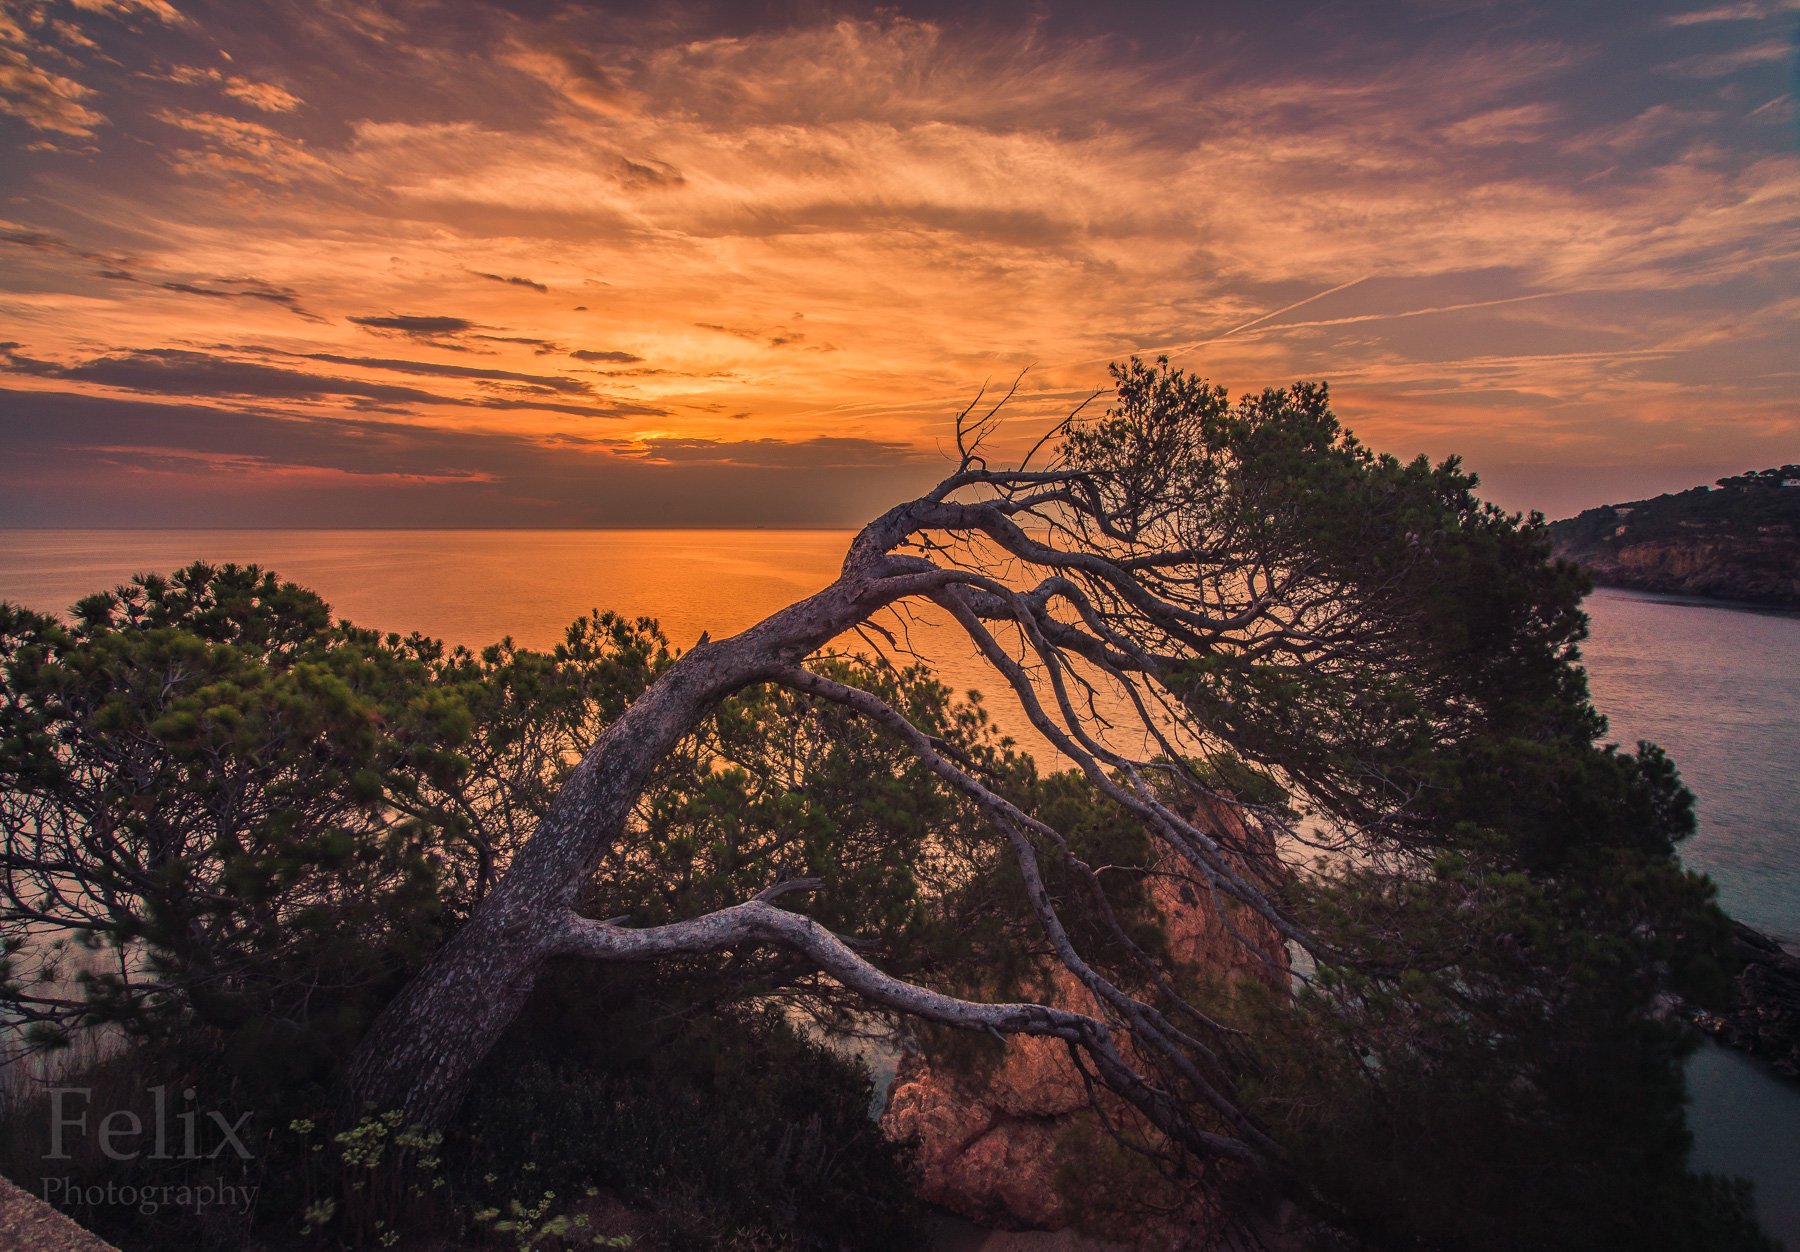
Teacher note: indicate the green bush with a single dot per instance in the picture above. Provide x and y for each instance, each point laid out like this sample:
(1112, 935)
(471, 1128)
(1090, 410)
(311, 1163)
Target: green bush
(735, 1127)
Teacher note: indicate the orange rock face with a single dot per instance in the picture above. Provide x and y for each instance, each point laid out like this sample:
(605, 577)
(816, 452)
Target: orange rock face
(989, 1148)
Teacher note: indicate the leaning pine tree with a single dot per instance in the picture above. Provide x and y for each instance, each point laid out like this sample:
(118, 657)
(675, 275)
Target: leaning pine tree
(1381, 665)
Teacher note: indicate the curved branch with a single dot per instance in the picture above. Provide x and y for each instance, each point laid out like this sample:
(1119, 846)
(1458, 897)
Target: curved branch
(758, 921)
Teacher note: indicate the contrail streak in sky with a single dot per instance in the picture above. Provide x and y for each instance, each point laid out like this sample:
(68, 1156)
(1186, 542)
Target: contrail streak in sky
(1175, 350)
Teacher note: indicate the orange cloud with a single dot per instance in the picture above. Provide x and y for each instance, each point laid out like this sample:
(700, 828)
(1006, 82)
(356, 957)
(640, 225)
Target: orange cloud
(788, 235)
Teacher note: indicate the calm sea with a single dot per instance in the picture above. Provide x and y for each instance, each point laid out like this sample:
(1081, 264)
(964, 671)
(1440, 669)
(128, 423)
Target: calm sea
(1718, 687)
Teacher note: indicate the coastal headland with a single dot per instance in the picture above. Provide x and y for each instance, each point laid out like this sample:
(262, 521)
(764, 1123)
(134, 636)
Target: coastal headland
(1738, 539)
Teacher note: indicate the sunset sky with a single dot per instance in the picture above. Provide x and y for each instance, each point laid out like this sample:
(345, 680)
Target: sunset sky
(395, 263)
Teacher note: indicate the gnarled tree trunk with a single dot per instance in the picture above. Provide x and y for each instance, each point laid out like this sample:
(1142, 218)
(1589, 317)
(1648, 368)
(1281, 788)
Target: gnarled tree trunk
(425, 1047)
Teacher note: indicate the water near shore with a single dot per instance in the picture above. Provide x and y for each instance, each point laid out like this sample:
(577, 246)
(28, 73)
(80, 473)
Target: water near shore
(1718, 687)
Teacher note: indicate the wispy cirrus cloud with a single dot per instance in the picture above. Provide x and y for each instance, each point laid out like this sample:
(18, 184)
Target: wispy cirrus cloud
(161, 10)
(41, 97)
(240, 147)
(267, 97)
(1748, 11)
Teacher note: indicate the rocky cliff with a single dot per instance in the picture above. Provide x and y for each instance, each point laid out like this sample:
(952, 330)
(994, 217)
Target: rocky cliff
(1756, 570)
(996, 1146)
(1764, 1016)
(1737, 540)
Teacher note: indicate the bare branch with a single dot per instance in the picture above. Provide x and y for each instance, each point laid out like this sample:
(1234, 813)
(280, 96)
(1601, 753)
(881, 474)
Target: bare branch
(759, 921)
